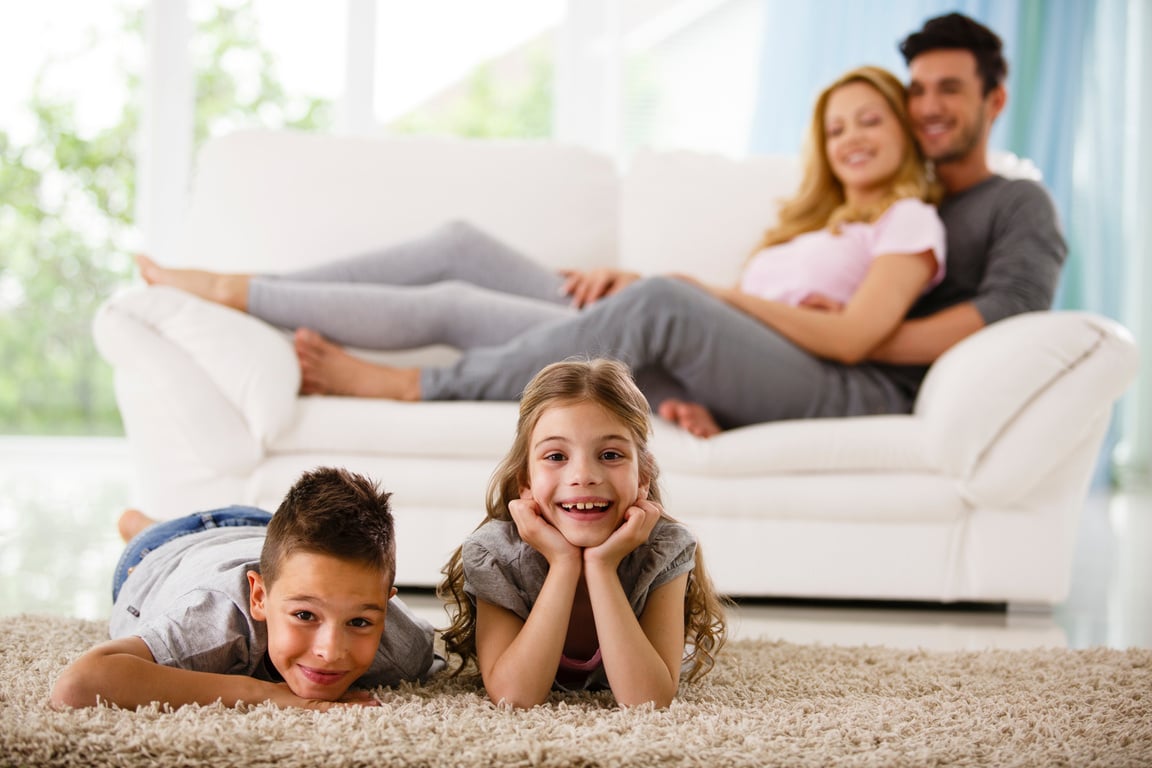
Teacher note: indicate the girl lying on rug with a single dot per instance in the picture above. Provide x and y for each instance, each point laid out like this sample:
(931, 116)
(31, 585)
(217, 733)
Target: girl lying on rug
(577, 579)
(237, 605)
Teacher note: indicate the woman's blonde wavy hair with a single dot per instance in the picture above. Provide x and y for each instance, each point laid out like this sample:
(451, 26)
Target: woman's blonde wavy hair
(609, 384)
(820, 202)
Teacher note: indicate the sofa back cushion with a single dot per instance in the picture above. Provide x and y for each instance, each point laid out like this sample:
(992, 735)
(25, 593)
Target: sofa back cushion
(274, 201)
(704, 214)
(700, 213)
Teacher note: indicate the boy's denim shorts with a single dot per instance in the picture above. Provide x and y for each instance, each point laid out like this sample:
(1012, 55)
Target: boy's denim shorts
(161, 533)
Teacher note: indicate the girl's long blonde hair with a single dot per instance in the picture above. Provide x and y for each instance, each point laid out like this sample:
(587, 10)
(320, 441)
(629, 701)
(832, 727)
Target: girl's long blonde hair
(820, 202)
(609, 384)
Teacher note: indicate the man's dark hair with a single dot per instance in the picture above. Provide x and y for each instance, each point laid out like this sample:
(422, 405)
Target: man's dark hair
(955, 31)
(332, 512)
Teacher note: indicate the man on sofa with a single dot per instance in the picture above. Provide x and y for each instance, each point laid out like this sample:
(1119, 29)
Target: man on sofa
(1005, 249)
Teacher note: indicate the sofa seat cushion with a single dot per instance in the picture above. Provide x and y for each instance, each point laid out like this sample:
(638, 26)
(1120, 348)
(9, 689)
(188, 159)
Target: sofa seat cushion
(485, 430)
(923, 500)
(822, 446)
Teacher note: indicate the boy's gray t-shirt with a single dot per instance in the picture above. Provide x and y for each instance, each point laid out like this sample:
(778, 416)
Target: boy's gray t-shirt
(188, 600)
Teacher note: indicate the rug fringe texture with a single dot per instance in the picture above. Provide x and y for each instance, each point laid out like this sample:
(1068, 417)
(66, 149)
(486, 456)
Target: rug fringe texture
(766, 704)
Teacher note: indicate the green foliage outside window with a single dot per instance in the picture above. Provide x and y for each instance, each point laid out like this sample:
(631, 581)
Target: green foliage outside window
(66, 203)
(67, 199)
(490, 106)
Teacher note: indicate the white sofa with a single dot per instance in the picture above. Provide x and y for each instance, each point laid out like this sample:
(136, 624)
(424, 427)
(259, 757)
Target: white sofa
(973, 497)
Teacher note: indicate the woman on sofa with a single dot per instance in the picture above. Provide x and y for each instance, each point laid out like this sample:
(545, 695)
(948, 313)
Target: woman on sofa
(860, 233)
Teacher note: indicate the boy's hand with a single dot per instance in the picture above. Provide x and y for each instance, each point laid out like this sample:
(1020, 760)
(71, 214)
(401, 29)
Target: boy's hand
(639, 520)
(360, 697)
(351, 698)
(541, 535)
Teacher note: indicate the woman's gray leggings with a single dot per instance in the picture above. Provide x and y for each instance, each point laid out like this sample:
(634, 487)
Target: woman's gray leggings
(460, 287)
(456, 286)
(671, 332)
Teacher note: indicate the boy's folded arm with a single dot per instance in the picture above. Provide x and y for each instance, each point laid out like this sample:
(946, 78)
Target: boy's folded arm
(124, 672)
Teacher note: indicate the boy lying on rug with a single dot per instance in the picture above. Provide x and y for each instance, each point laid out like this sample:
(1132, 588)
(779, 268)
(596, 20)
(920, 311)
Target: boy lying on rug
(241, 606)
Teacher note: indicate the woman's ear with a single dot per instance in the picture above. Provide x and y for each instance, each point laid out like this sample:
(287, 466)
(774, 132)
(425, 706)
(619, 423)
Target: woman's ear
(257, 595)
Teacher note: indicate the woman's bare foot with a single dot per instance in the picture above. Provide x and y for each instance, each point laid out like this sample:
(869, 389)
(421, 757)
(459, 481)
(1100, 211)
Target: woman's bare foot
(229, 290)
(691, 417)
(326, 369)
(131, 522)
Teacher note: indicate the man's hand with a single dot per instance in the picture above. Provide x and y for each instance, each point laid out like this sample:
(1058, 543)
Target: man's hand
(585, 287)
(821, 302)
(282, 696)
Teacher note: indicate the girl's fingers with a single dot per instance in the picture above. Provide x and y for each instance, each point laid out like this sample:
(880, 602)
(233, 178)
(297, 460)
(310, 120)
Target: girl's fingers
(649, 515)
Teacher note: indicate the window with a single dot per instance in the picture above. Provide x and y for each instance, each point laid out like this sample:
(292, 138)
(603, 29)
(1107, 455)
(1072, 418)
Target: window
(105, 102)
(67, 190)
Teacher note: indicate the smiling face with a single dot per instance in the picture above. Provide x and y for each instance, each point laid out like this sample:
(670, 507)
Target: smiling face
(950, 112)
(584, 471)
(325, 617)
(863, 140)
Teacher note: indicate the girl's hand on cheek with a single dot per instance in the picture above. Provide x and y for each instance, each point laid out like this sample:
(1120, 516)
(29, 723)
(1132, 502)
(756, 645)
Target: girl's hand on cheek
(639, 520)
(538, 532)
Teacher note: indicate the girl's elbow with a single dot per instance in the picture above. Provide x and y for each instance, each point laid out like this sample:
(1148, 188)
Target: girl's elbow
(516, 699)
(851, 350)
(848, 355)
(659, 701)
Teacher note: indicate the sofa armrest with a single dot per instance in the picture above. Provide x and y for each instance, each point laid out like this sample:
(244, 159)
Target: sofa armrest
(1002, 408)
(182, 343)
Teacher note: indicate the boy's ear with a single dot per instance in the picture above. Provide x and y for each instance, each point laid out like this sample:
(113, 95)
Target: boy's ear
(256, 596)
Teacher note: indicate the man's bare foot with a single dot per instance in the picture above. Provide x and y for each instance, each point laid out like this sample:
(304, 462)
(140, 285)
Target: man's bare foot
(229, 290)
(327, 369)
(131, 522)
(691, 417)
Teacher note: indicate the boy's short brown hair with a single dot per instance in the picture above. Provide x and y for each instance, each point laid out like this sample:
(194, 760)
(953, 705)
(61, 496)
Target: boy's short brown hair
(331, 511)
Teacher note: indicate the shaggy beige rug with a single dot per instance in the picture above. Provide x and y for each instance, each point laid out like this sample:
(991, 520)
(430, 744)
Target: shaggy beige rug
(767, 703)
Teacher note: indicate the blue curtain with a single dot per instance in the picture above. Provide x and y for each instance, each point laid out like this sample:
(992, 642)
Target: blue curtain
(1066, 106)
(807, 45)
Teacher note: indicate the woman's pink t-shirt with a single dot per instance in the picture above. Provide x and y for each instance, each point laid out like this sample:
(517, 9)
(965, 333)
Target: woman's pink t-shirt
(835, 265)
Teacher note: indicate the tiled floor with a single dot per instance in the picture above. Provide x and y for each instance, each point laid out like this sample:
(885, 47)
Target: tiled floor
(59, 500)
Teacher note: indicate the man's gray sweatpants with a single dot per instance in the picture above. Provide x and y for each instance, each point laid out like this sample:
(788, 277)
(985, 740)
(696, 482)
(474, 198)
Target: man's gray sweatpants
(742, 371)
(459, 286)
